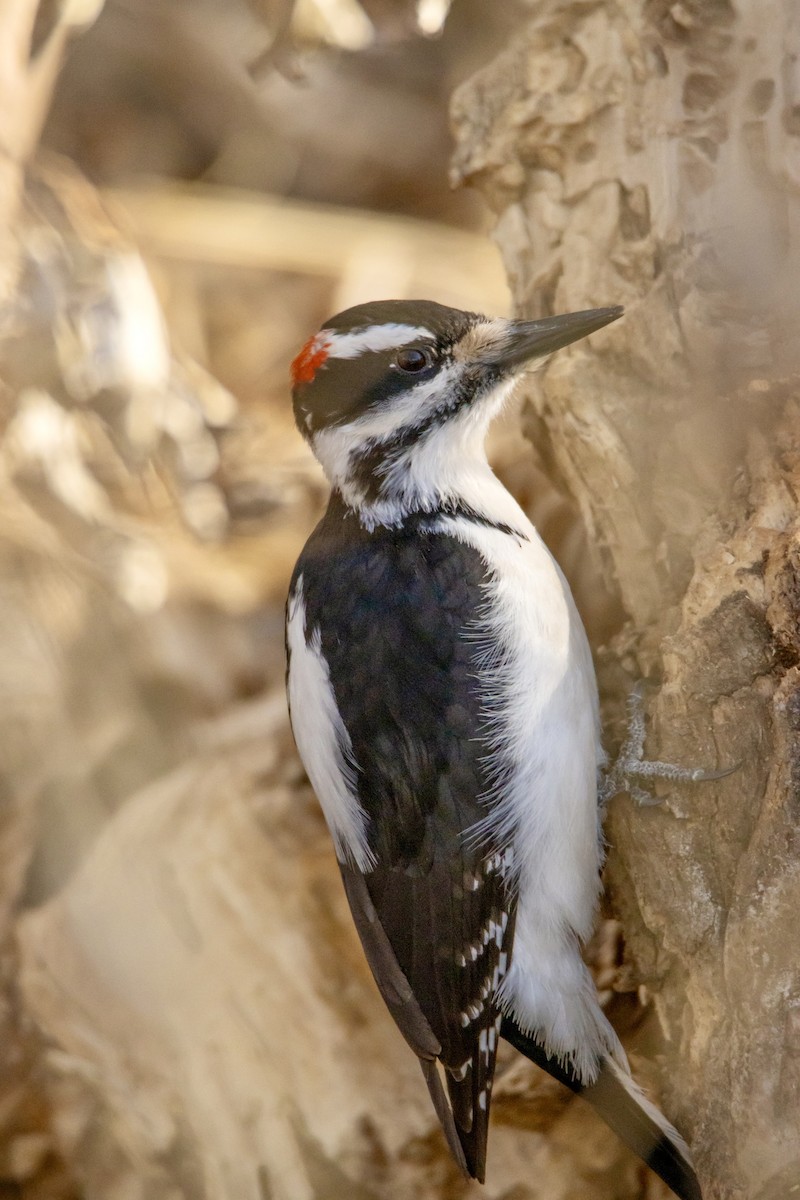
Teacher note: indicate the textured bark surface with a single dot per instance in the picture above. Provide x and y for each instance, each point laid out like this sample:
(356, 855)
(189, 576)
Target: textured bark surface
(649, 154)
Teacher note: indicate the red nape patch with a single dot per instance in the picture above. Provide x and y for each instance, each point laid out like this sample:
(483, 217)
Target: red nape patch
(310, 359)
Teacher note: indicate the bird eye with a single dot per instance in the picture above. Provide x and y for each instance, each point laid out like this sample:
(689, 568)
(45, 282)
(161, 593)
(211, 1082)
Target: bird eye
(414, 359)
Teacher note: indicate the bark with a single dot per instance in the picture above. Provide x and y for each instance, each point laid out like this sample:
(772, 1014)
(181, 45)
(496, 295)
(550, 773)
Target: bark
(648, 154)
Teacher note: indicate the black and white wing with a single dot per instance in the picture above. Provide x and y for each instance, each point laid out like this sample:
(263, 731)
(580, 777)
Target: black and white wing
(389, 619)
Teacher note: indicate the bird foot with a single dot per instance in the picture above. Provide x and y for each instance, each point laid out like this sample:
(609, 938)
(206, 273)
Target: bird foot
(629, 764)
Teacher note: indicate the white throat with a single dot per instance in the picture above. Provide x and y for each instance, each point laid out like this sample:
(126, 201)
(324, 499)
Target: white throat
(445, 466)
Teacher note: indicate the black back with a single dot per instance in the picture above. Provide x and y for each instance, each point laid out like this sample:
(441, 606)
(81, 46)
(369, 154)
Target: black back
(398, 613)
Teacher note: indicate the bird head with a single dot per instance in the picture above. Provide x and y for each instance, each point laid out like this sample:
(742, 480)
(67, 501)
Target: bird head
(395, 396)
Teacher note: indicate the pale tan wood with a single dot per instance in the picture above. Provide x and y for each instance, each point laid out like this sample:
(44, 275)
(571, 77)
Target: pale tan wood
(648, 154)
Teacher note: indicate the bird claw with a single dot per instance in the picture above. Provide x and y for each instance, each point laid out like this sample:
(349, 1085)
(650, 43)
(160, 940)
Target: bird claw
(642, 798)
(630, 765)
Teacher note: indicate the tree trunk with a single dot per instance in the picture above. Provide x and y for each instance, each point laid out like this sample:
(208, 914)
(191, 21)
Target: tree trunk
(649, 154)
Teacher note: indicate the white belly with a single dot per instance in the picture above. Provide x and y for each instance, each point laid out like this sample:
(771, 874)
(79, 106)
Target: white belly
(543, 703)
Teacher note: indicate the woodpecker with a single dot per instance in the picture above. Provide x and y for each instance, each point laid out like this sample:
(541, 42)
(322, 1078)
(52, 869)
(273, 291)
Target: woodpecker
(444, 703)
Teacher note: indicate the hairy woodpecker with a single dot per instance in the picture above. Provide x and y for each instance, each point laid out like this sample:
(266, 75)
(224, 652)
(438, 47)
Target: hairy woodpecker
(444, 704)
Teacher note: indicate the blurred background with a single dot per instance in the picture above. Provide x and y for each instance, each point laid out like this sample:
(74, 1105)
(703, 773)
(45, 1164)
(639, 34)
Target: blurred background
(214, 179)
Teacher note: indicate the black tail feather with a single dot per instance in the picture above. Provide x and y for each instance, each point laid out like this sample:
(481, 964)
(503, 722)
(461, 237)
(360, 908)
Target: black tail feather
(440, 1103)
(632, 1117)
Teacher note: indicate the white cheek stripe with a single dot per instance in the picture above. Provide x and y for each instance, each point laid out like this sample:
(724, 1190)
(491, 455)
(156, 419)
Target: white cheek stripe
(322, 739)
(374, 337)
(409, 410)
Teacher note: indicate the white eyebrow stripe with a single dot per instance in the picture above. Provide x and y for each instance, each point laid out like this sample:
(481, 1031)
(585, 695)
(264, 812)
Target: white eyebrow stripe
(374, 337)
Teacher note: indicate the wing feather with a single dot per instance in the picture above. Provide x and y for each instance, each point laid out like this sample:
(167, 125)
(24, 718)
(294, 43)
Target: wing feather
(449, 1001)
(396, 616)
(392, 983)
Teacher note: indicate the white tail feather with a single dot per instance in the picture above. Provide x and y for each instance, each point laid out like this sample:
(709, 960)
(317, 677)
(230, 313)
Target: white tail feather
(656, 1116)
